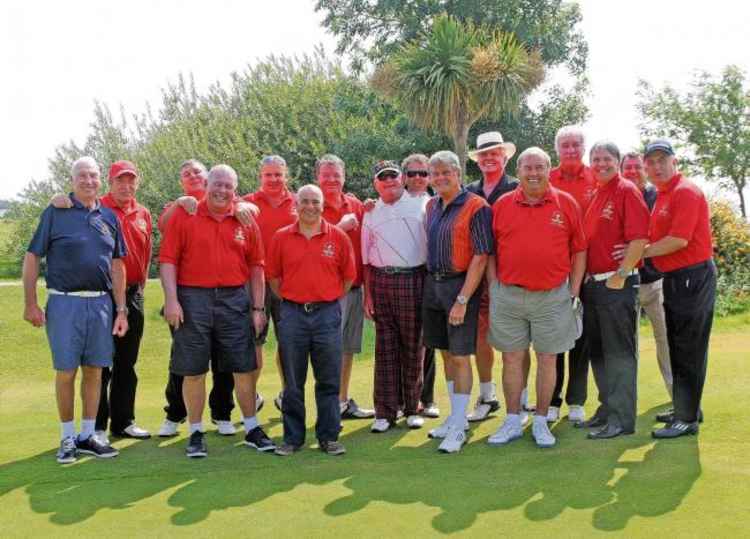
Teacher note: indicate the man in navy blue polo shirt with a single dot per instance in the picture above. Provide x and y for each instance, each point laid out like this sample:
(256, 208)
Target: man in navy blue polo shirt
(83, 247)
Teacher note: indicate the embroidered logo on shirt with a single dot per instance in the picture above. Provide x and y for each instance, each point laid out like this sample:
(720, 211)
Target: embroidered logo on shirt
(101, 226)
(239, 235)
(589, 193)
(329, 250)
(557, 219)
(608, 211)
(664, 211)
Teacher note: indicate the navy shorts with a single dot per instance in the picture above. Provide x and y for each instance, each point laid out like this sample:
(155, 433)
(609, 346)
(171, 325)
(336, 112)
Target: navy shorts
(217, 323)
(79, 331)
(437, 301)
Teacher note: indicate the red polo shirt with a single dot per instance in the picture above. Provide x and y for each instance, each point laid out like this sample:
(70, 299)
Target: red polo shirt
(135, 222)
(314, 269)
(681, 211)
(209, 253)
(617, 215)
(581, 187)
(535, 242)
(333, 216)
(200, 195)
(272, 218)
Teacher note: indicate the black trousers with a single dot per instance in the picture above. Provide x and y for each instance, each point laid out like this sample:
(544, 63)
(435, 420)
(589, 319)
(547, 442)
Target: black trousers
(578, 375)
(689, 297)
(117, 399)
(609, 328)
(428, 386)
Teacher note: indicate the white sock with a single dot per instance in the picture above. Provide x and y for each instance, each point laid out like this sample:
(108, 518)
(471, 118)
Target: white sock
(525, 398)
(250, 423)
(68, 429)
(449, 383)
(540, 419)
(487, 390)
(459, 404)
(87, 428)
(196, 427)
(514, 419)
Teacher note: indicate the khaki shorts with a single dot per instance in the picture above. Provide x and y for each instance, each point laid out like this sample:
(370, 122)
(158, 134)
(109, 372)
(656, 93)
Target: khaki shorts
(352, 320)
(520, 317)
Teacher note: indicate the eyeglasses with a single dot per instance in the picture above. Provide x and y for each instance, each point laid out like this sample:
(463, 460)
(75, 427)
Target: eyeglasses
(387, 176)
(415, 173)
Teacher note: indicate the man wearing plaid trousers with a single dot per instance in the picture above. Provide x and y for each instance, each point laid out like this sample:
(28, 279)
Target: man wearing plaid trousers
(394, 250)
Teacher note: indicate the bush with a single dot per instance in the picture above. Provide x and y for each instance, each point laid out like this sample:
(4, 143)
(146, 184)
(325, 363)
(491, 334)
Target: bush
(731, 235)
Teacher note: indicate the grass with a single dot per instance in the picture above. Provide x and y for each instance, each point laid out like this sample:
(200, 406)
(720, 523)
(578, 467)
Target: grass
(394, 484)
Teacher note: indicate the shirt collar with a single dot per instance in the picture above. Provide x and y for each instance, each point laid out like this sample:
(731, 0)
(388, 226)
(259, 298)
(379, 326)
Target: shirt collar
(285, 197)
(458, 201)
(109, 201)
(203, 210)
(668, 186)
(611, 185)
(325, 227)
(78, 204)
(519, 197)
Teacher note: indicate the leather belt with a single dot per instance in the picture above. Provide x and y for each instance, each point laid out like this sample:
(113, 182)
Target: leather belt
(396, 270)
(446, 275)
(310, 306)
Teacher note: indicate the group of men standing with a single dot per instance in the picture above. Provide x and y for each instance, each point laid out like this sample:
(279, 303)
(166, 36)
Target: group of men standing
(560, 260)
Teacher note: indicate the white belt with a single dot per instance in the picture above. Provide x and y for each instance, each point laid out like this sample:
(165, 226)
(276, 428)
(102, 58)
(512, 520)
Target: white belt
(608, 274)
(77, 293)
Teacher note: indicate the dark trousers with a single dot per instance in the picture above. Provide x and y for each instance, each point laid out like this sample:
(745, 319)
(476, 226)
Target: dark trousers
(398, 342)
(117, 399)
(428, 372)
(314, 334)
(689, 297)
(609, 327)
(578, 375)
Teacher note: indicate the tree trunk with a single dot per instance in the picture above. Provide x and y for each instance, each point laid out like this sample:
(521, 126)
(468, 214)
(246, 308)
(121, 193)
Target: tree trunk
(739, 184)
(460, 139)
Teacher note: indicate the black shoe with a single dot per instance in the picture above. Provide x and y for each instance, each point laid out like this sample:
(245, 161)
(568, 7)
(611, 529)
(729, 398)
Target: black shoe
(257, 438)
(675, 430)
(93, 446)
(591, 423)
(332, 448)
(668, 416)
(196, 447)
(607, 432)
(68, 452)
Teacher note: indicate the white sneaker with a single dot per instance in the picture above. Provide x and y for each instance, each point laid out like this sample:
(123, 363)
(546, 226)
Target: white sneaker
(525, 417)
(259, 402)
(442, 430)
(380, 425)
(134, 431)
(542, 435)
(576, 413)
(225, 428)
(415, 421)
(507, 432)
(431, 410)
(168, 428)
(453, 441)
(483, 408)
(101, 436)
(553, 414)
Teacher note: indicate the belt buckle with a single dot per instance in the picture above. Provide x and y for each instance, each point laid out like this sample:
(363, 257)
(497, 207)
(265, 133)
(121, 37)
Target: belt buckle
(308, 307)
(390, 270)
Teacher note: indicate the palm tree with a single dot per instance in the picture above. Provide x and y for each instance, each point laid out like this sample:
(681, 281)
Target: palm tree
(456, 74)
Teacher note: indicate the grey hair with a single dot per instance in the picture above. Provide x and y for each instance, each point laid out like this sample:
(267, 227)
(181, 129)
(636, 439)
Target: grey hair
(606, 145)
(534, 150)
(630, 155)
(82, 162)
(329, 159)
(222, 171)
(192, 163)
(273, 160)
(569, 131)
(415, 158)
(312, 188)
(446, 157)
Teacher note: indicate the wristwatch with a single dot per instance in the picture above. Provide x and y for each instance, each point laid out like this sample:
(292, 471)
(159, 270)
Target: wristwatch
(122, 309)
(622, 272)
(461, 300)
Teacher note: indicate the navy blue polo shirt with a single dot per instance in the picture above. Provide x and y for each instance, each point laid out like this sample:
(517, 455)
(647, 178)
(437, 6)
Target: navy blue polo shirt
(505, 185)
(79, 245)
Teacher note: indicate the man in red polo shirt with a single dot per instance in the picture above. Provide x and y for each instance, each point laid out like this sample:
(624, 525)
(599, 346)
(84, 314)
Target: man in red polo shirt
(681, 248)
(346, 212)
(207, 262)
(274, 209)
(310, 267)
(574, 178)
(617, 215)
(538, 268)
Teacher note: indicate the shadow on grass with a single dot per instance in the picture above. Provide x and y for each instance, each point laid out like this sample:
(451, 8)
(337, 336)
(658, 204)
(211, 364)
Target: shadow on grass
(616, 479)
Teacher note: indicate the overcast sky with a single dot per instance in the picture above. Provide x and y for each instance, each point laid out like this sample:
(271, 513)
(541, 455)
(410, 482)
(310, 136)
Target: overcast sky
(57, 58)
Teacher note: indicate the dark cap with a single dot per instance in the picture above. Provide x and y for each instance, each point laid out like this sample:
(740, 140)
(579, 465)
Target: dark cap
(119, 168)
(382, 166)
(658, 145)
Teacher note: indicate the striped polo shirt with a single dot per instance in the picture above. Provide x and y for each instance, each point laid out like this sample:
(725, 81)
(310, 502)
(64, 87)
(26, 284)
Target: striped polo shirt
(457, 232)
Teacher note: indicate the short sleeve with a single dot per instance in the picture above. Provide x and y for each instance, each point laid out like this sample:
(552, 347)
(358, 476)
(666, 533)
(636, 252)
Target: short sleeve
(273, 256)
(43, 235)
(685, 210)
(120, 250)
(169, 252)
(255, 254)
(480, 226)
(636, 216)
(578, 240)
(347, 264)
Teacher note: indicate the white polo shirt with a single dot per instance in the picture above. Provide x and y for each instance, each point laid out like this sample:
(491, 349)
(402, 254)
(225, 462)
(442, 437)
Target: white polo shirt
(394, 234)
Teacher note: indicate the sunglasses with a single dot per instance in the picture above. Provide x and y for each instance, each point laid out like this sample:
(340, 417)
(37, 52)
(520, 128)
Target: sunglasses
(387, 176)
(415, 173)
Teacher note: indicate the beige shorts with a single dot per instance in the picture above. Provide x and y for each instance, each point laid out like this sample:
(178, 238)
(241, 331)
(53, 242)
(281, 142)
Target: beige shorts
(520, 317)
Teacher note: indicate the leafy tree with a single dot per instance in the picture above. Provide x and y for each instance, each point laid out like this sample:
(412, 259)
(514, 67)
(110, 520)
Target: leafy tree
(456, 74)
(711, 121)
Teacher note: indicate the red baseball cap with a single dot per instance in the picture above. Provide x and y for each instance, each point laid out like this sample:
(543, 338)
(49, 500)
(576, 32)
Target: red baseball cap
(119, 168)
